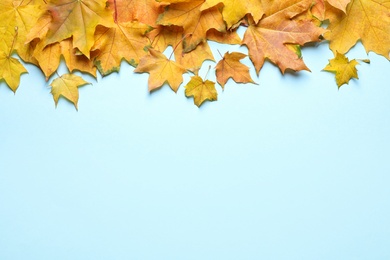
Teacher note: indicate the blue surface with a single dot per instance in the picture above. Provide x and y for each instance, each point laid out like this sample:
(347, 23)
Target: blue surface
(292, 168)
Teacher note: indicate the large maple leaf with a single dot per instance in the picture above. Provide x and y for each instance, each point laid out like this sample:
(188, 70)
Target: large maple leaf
(161, 70)
(234, 10)
(195, 22)
(77, 19)
(125, 40)
(268, 38)
(365, 20)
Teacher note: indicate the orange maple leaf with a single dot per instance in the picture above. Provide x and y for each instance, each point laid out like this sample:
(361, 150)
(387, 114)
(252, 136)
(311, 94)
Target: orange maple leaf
(161, 70)
(201, 90)
(268, 38)
(231, 67)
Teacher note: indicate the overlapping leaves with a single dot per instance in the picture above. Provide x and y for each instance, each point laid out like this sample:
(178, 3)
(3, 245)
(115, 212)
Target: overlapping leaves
(94, 36)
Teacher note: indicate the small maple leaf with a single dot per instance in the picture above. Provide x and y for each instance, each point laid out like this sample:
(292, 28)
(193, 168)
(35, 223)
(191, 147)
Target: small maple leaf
(10, 70)
(201, 90)
(365, 20)
(77, 18)
(67, 86)
(160, 70)
(235, 10)
(343, 68)
(231, 67)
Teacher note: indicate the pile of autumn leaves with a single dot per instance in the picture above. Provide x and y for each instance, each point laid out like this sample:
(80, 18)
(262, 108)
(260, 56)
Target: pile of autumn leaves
(96, 35)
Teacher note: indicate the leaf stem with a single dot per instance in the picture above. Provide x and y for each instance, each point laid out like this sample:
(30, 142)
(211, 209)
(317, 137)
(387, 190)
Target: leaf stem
(205, 77)
(220, 54)
(13, 42)
(115, 12)
(177, 45)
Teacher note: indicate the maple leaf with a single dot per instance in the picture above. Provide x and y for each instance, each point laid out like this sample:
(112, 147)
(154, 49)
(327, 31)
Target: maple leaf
(201, 90)
(195, 22)
(125, 40)
(67, 86)
(230, 67)
(161, 70)
(235, 10)
(343, 68)
(361, 22)
(268, 38)
(77, 19)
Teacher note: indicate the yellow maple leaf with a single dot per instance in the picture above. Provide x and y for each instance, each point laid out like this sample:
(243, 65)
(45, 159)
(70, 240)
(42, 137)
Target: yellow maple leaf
(343, 68)
(77, 19)
(201, 90)
(231, 67)
(161, 70)
(234, 10)
(365, 20)
(10, 70)
(67, 86)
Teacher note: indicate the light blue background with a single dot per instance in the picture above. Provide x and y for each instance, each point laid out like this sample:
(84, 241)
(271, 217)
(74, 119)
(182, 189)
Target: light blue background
(292, 168)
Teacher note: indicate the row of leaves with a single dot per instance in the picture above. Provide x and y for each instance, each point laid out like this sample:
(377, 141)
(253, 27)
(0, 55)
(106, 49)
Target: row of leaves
(94, 36)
